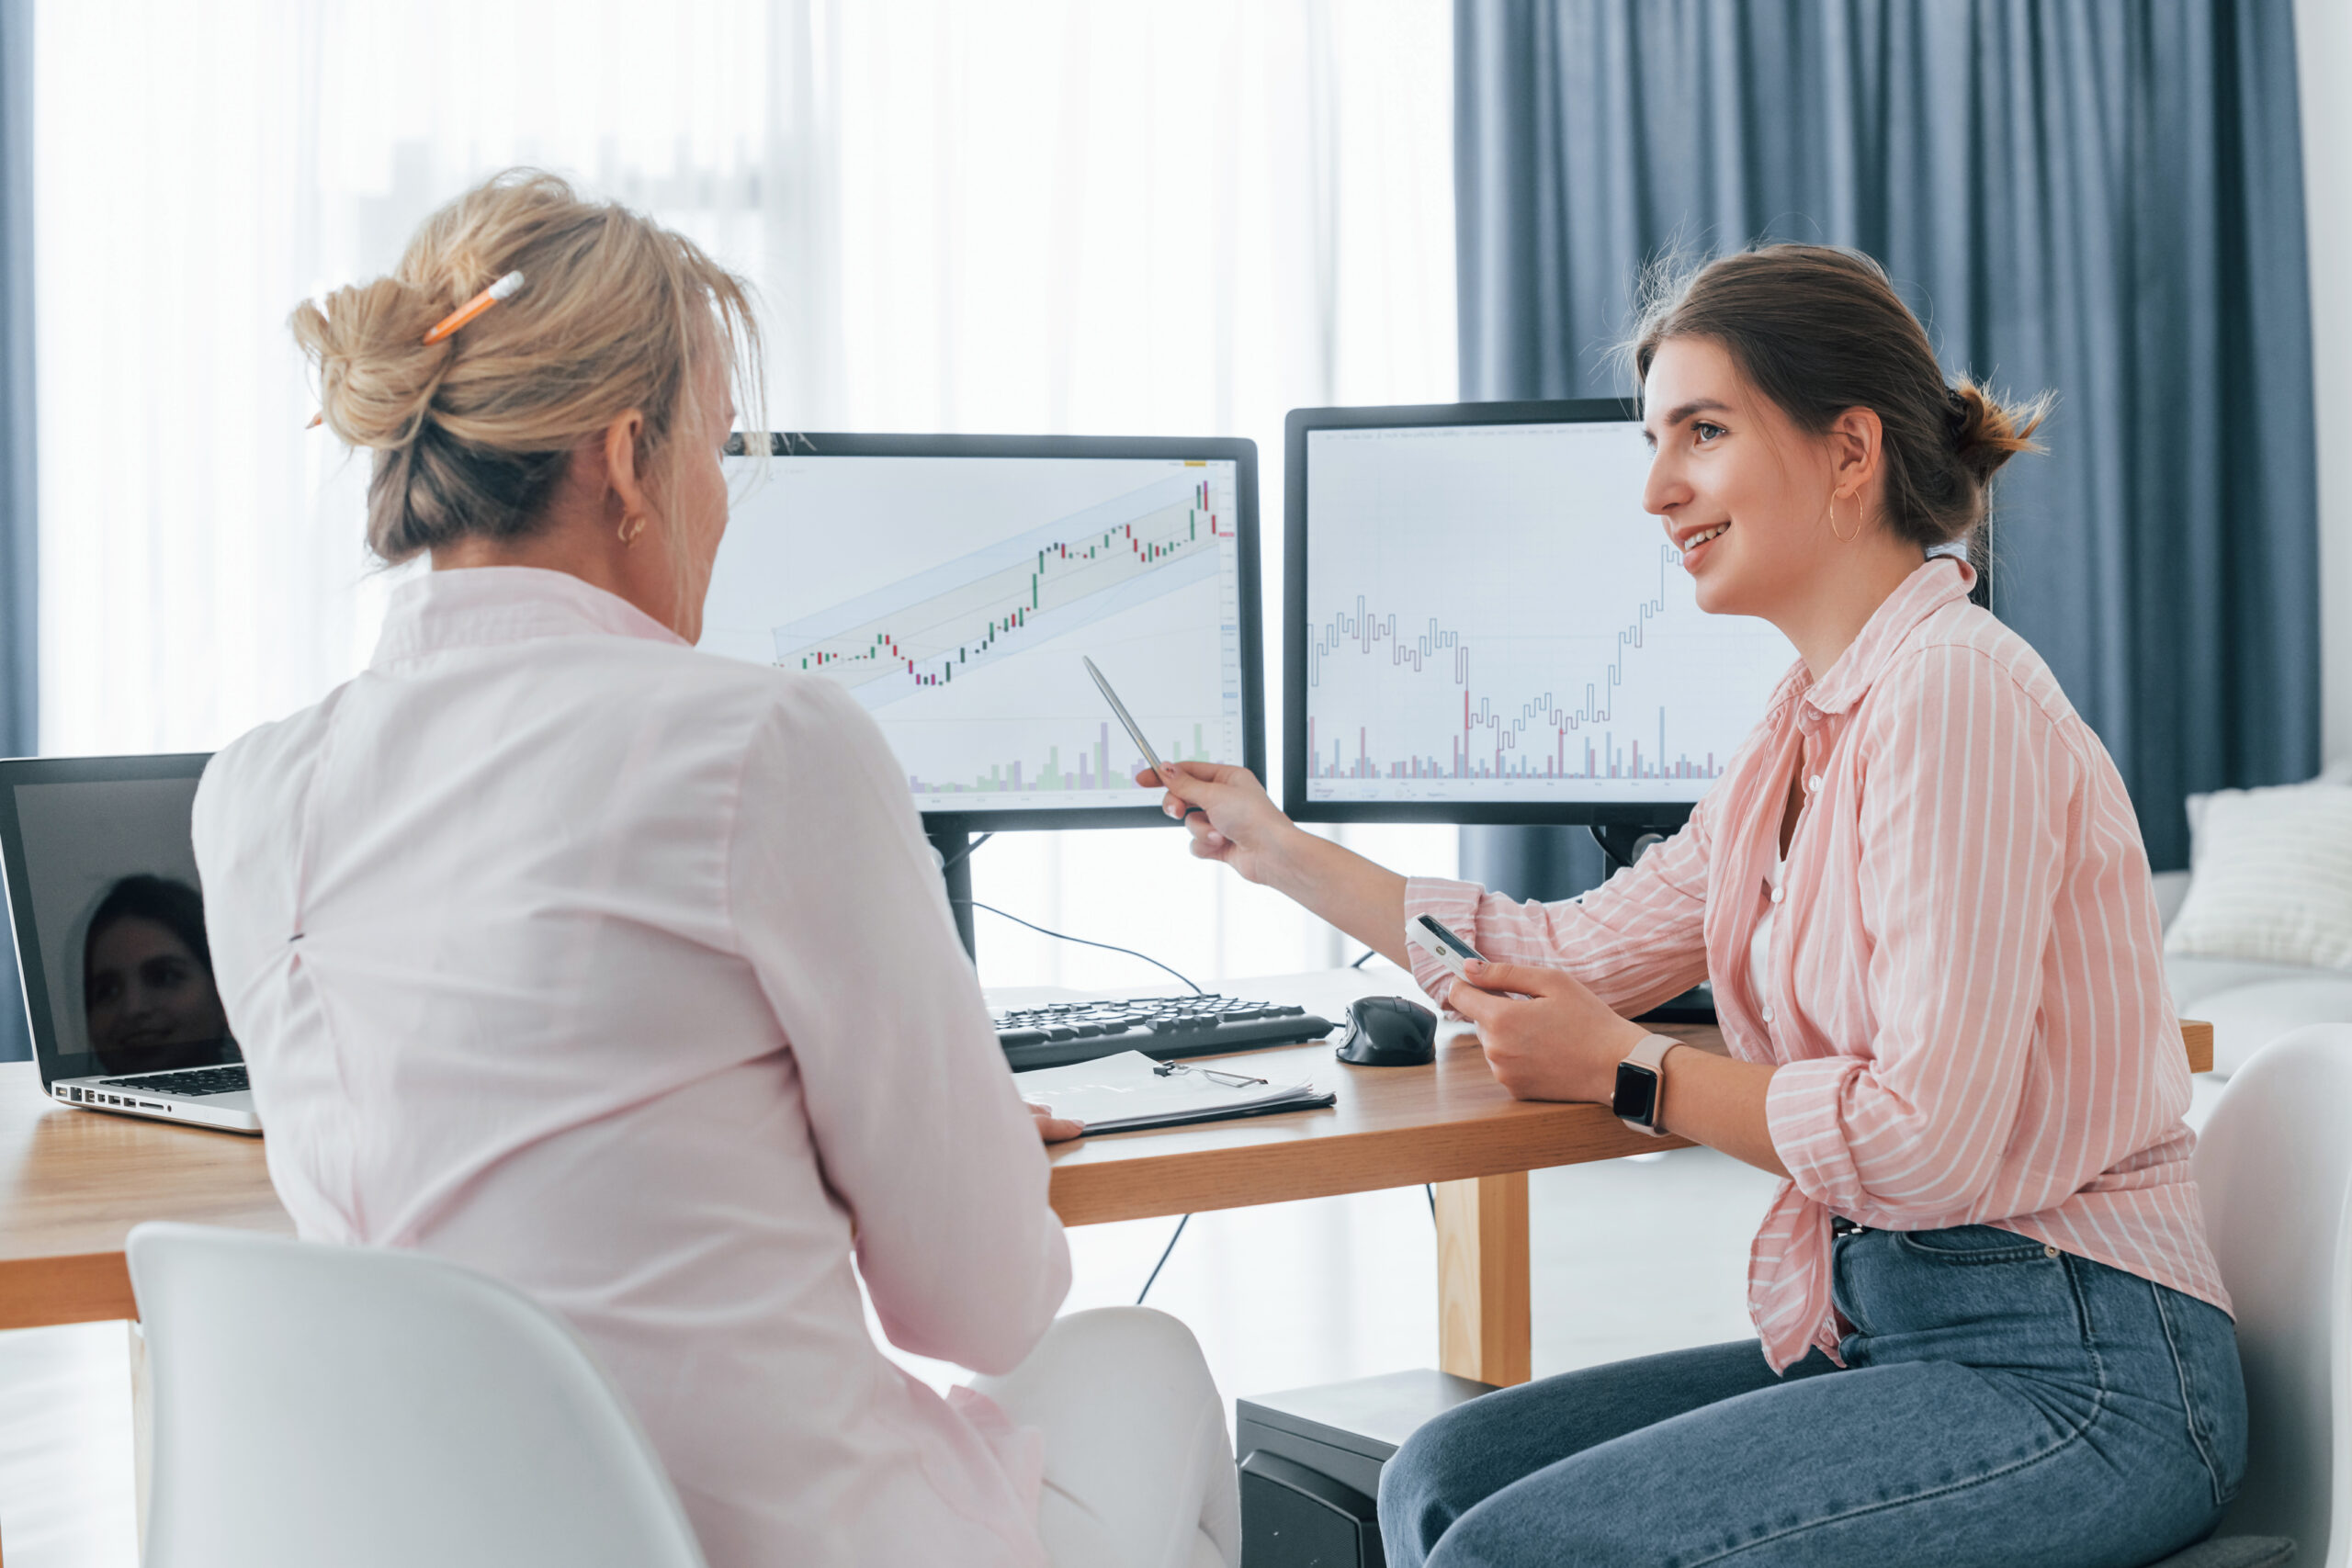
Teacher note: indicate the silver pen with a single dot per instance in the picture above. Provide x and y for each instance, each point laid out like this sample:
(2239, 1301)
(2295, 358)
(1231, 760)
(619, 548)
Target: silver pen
(1135, 730)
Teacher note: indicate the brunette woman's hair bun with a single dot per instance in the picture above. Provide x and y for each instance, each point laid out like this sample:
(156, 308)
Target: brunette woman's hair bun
(1985, 435)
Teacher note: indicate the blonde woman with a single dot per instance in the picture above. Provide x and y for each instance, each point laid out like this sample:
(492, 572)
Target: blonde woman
(1989, 1328)
(623, 972)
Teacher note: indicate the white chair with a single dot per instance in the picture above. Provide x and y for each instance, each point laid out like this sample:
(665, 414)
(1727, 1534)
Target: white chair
(2275, 1168)
(325, 1405)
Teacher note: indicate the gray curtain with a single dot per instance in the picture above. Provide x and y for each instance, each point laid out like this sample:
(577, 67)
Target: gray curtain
(19, 584)
(2100, 199)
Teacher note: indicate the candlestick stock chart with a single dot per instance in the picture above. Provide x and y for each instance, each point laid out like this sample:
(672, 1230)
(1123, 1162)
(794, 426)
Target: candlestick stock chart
(953, 597)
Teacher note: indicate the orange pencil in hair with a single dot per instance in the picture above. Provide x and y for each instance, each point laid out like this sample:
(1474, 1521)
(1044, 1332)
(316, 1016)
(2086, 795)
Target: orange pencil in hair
(503, 288)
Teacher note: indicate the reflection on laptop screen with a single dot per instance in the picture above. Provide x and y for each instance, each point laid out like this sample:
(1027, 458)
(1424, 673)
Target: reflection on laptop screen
(110, 923)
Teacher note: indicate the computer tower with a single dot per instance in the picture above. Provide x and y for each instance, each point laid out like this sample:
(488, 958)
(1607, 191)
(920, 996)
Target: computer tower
(1311, 1461)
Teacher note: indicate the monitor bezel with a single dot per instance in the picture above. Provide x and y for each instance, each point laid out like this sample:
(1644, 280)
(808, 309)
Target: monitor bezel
(31, 968)
(1239, 451)
(1664, 816)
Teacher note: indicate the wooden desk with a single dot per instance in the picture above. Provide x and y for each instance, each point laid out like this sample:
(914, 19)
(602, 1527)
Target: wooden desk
(1450, 1123)
(72, 1183)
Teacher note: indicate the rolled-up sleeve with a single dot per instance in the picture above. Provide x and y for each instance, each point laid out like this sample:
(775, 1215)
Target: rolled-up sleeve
(838, 907)
(1635, 940)
(1966, 808)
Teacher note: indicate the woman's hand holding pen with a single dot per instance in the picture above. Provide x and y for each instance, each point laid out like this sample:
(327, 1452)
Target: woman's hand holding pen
(1552, 1039)
(1231, 819)
(1229, 814)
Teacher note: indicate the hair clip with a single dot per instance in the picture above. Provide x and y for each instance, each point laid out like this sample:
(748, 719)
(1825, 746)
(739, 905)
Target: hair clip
(503, 289)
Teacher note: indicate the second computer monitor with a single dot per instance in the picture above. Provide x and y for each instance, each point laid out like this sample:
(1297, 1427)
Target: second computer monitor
(956, 583)
(1481, 625)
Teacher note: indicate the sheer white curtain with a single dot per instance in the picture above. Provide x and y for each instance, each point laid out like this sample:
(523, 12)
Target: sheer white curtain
(198, 169)
(1041, 217)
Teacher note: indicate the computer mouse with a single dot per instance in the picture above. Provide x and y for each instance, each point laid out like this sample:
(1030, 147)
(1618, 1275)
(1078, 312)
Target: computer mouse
(1389, 1032)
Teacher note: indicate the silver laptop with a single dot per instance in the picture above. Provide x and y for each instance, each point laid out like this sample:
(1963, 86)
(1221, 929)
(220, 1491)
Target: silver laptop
(109, 919)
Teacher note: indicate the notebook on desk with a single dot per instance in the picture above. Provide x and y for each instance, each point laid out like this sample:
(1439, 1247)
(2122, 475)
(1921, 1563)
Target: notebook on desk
(1129, 1091)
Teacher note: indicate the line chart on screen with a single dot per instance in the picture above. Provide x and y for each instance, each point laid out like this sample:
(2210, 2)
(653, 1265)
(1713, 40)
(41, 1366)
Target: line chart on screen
(1491, 616)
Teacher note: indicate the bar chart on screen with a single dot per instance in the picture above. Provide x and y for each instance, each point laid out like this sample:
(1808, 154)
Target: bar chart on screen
(954, 597)
(1493, 616)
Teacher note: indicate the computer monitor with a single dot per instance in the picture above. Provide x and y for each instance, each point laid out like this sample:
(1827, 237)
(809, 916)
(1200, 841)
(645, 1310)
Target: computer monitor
(1482, 626)
(952, 583)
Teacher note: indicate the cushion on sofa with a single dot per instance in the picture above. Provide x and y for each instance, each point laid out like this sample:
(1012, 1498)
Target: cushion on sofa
(2338, 772)
(2273, 879)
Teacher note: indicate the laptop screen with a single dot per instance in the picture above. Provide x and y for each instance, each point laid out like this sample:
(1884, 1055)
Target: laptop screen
(108, 916)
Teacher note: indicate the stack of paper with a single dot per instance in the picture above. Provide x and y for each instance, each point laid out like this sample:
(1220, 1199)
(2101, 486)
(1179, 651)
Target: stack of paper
(1121, 1093)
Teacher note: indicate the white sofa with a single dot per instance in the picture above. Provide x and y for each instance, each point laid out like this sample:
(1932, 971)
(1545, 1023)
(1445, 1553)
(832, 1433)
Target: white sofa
(2250, 1005)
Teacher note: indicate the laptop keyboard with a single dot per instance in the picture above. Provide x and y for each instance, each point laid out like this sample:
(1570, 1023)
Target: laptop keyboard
(188, 1080)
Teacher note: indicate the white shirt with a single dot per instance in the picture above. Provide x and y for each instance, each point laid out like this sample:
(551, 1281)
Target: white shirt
(1760, 974)
(623, 972)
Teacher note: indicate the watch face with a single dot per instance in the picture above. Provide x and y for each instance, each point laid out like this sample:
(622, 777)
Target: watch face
(1637, 1097)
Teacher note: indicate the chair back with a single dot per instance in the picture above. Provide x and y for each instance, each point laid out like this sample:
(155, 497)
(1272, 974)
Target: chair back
(367, 1408)
(2275, 1168)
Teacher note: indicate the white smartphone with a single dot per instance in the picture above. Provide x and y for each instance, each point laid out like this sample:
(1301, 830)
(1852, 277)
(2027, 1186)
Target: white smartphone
(1430, 934)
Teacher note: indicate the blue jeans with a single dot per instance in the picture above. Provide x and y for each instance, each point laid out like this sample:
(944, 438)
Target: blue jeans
(2003, 1403)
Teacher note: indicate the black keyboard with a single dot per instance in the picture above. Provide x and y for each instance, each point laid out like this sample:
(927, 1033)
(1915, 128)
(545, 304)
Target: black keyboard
(188, 1080)
(1164, 1027)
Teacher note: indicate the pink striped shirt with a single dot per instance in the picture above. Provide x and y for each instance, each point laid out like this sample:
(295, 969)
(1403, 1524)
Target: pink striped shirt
(1975, 1027)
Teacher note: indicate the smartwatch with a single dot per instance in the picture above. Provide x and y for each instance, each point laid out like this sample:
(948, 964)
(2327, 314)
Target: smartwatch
(1641, 1086)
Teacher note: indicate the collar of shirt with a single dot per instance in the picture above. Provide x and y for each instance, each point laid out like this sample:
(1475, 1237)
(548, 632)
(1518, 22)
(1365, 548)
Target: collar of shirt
(1936, 582)
(480, 606)
(1804, 724)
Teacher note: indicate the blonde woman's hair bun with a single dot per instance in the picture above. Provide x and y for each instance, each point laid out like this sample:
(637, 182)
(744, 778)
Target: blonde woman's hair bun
(470, 434)
(377, 376)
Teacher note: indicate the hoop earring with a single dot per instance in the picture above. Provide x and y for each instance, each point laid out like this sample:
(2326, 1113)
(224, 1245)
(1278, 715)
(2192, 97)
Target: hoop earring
(631, 526)
(1845, 538)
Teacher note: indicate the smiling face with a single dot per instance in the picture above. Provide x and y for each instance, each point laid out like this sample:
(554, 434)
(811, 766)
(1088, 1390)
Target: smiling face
(146, 996)
(1743, 491)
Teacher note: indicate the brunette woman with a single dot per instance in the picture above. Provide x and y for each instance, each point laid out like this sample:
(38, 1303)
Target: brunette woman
(1989, 1328)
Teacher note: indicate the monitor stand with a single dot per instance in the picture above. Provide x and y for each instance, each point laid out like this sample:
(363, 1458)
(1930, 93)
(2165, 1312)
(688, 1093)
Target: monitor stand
(1624, 842)
(954, 848)
(1620, 842)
